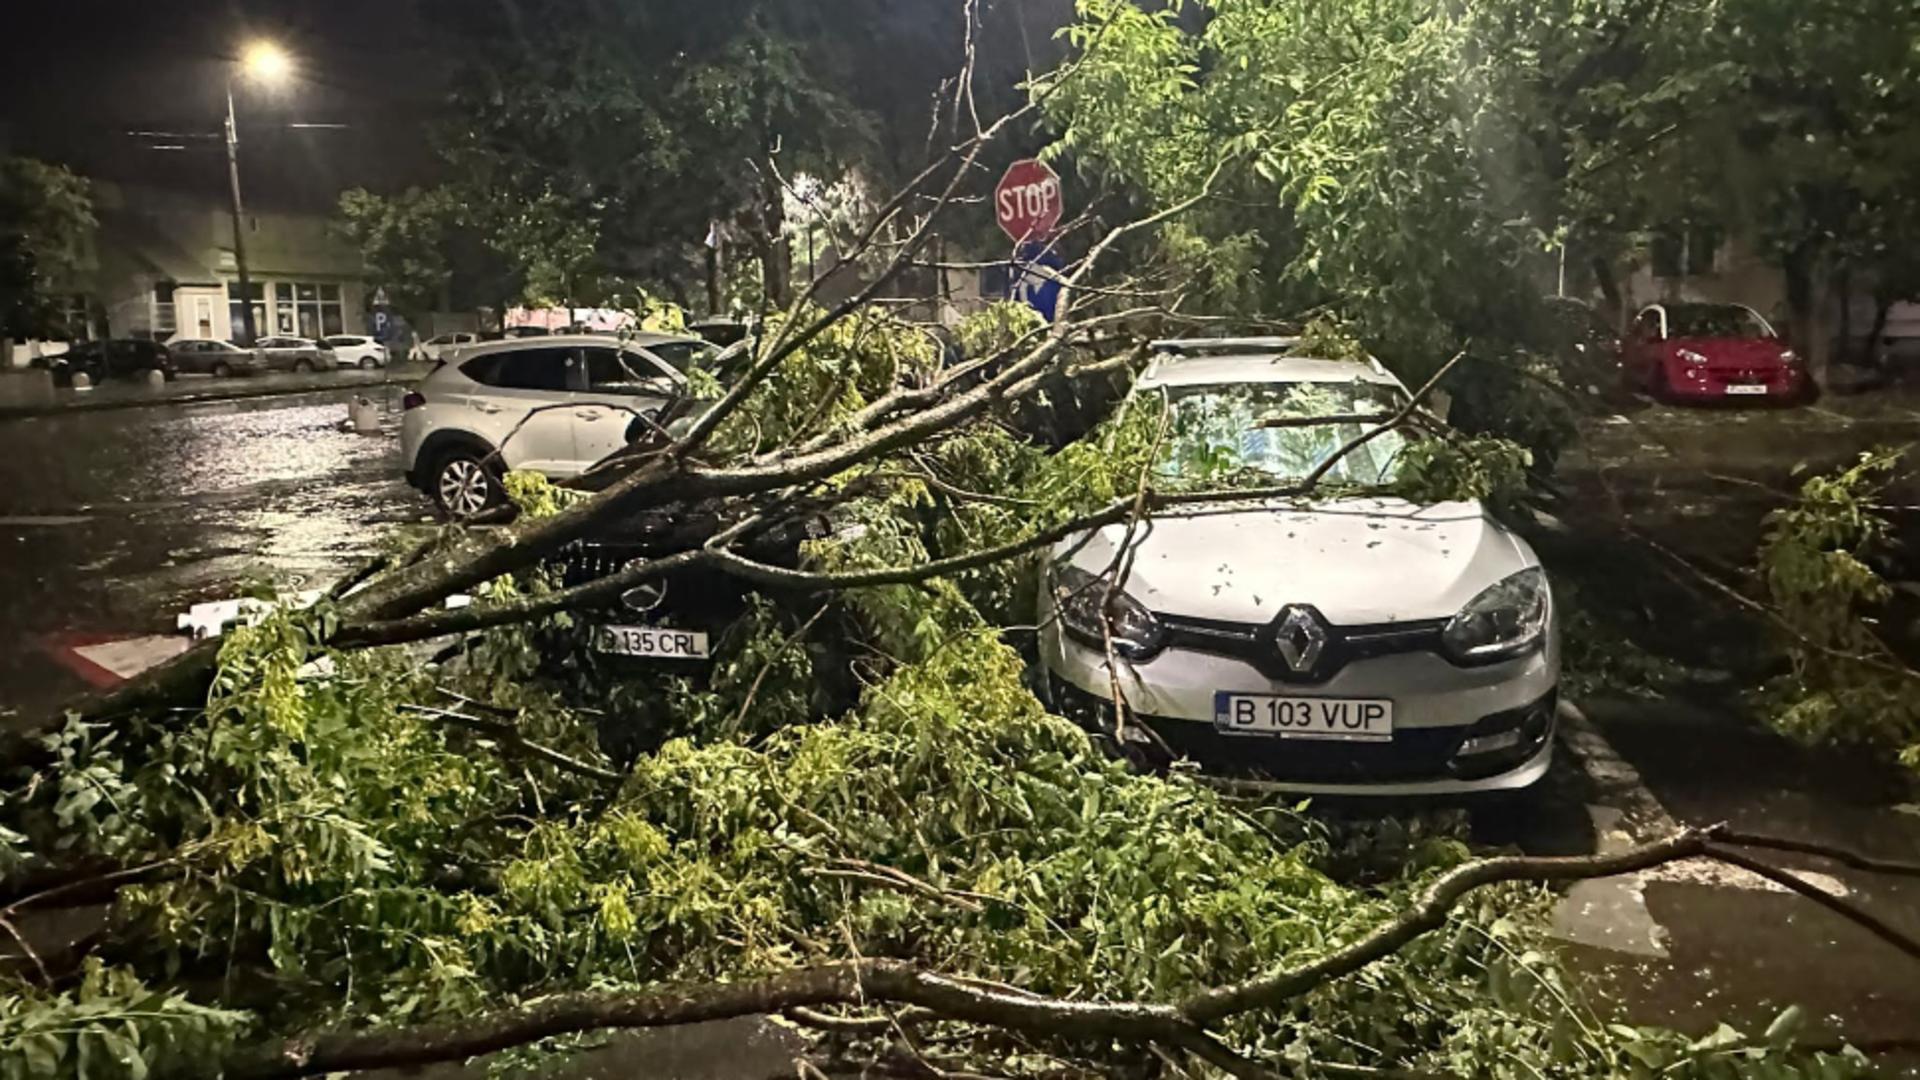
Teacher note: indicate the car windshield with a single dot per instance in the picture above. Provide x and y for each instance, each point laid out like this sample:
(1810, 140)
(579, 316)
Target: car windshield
(1251, 433)
(1714, 321)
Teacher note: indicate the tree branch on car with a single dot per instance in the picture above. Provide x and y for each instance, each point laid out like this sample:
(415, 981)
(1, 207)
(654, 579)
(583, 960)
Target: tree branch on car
(1182, 1024)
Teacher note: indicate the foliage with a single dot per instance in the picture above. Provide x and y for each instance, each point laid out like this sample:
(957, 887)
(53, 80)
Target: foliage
(46, 227)
(1441, 470)
(110, 1026)
(851, 363)
(1846, 684)
(402, 240)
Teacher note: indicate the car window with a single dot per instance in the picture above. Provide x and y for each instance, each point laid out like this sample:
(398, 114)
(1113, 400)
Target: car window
(613, 371)
(342, 339)
(1648, 325)
(1229, 433)
(1715, 320)
(523, 369)
(684, 355)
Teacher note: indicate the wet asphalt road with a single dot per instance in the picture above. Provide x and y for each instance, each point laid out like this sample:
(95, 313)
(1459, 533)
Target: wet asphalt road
(114, 521)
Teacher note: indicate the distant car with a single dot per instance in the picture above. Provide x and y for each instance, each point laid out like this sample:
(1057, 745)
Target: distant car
(295, 354)
(555, 405)
(357, 351)
(443, 346)
(1693, 352)
(202, 356)
(512, 332)
(119, 357)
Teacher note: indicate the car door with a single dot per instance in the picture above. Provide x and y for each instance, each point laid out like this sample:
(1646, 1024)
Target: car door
(1644, 346)
(621, 384)
(525, 407)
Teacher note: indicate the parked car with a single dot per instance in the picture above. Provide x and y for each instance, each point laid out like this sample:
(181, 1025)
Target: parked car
(295, 354)
(442, 346)
(1691, 352)
(553, 405)
(203, 356)
(357, 351)
(1355, 643)
(117, 357)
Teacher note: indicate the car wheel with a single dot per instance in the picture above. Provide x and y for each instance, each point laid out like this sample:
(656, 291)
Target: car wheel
(366, 363)
(221, 370)
(463, 485)
(302, 366)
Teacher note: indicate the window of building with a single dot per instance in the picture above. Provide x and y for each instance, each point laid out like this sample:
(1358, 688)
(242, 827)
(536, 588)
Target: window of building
(73, 314)
(163, 314)
(1685, 250)
(308, 309)
(236, 318)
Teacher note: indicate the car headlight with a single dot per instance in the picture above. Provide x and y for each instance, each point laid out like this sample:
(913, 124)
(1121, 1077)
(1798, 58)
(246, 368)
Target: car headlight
(1507, 619)
(1789, 357)
(1078, 595)
(1692, 357)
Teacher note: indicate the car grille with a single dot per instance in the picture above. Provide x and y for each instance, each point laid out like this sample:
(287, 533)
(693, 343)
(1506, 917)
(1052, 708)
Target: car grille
(1414, 754)
(1256, 643)
(1742, 373)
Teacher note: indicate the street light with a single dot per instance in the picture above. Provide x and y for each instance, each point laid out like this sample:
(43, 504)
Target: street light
(267, 63)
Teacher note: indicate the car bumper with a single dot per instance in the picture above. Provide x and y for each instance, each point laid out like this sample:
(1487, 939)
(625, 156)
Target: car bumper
(1456, 729)
(1697, 383)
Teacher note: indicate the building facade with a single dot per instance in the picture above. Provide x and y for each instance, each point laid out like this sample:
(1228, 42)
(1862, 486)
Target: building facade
(164, 268)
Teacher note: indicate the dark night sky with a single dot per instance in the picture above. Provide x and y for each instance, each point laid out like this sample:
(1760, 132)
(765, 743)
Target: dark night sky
(78, 74)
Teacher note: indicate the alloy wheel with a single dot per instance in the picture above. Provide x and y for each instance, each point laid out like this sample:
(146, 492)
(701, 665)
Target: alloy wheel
(464, 487)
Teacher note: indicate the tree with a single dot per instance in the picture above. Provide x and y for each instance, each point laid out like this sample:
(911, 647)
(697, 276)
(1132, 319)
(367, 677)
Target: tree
(46, 225)
(384, 860)
(403, 239)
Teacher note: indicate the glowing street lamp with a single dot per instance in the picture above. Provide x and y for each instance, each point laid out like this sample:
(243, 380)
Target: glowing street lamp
(264, 62)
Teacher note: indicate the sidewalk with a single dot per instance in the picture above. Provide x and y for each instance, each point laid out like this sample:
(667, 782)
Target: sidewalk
(193, 389)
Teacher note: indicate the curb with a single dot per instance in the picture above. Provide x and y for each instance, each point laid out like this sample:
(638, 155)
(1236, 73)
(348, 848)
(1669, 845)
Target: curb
(83, 405)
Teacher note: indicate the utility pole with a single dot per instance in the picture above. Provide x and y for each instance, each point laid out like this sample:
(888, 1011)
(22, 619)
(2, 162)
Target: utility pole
(239, 226)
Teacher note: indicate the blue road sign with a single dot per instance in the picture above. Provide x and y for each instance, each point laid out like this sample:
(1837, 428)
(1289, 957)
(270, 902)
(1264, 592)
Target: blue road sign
(1031, 279)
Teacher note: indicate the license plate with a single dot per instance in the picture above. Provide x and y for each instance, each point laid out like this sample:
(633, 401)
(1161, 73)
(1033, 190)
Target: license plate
(1290, 717)
(1747, 388)
(655, 641)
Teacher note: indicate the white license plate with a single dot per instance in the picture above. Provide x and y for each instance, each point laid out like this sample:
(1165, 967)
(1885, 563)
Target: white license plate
(1747, 388)
(657, 641)
(1290, 717)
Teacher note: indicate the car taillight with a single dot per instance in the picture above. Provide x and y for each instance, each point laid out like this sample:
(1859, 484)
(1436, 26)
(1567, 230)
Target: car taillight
(413, 400)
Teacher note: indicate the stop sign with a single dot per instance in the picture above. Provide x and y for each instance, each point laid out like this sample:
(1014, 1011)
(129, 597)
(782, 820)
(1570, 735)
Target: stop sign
(1027, 200)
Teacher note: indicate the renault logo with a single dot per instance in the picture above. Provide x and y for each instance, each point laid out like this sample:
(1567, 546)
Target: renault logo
(1301, 637)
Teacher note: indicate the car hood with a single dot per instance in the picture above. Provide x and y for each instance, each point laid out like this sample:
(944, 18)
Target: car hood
(1359, 561)
(1748, 352)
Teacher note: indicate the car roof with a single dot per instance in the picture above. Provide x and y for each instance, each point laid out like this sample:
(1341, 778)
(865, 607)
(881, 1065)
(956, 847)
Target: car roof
(553, 341)
(1172, 371)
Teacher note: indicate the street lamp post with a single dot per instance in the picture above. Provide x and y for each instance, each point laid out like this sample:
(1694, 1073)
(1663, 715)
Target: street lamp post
(264, 61)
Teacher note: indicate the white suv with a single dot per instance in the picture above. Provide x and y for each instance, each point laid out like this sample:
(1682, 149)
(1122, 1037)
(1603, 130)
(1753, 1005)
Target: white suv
(553, 405)
(1354, 642)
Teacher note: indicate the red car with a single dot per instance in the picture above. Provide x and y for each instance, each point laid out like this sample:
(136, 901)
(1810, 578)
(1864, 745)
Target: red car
(1687, 352)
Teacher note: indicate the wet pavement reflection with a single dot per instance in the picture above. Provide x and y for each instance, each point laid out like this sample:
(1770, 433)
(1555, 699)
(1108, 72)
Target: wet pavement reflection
(114, 521)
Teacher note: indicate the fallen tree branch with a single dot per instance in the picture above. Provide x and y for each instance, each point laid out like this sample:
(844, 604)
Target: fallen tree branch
(1844, 856)
(510, 736)
(866, 983)
(1428, 913)
(1852, 912)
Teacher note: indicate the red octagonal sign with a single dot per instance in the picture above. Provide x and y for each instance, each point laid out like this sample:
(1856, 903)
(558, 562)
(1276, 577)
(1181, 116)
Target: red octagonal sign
(1027, 200)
